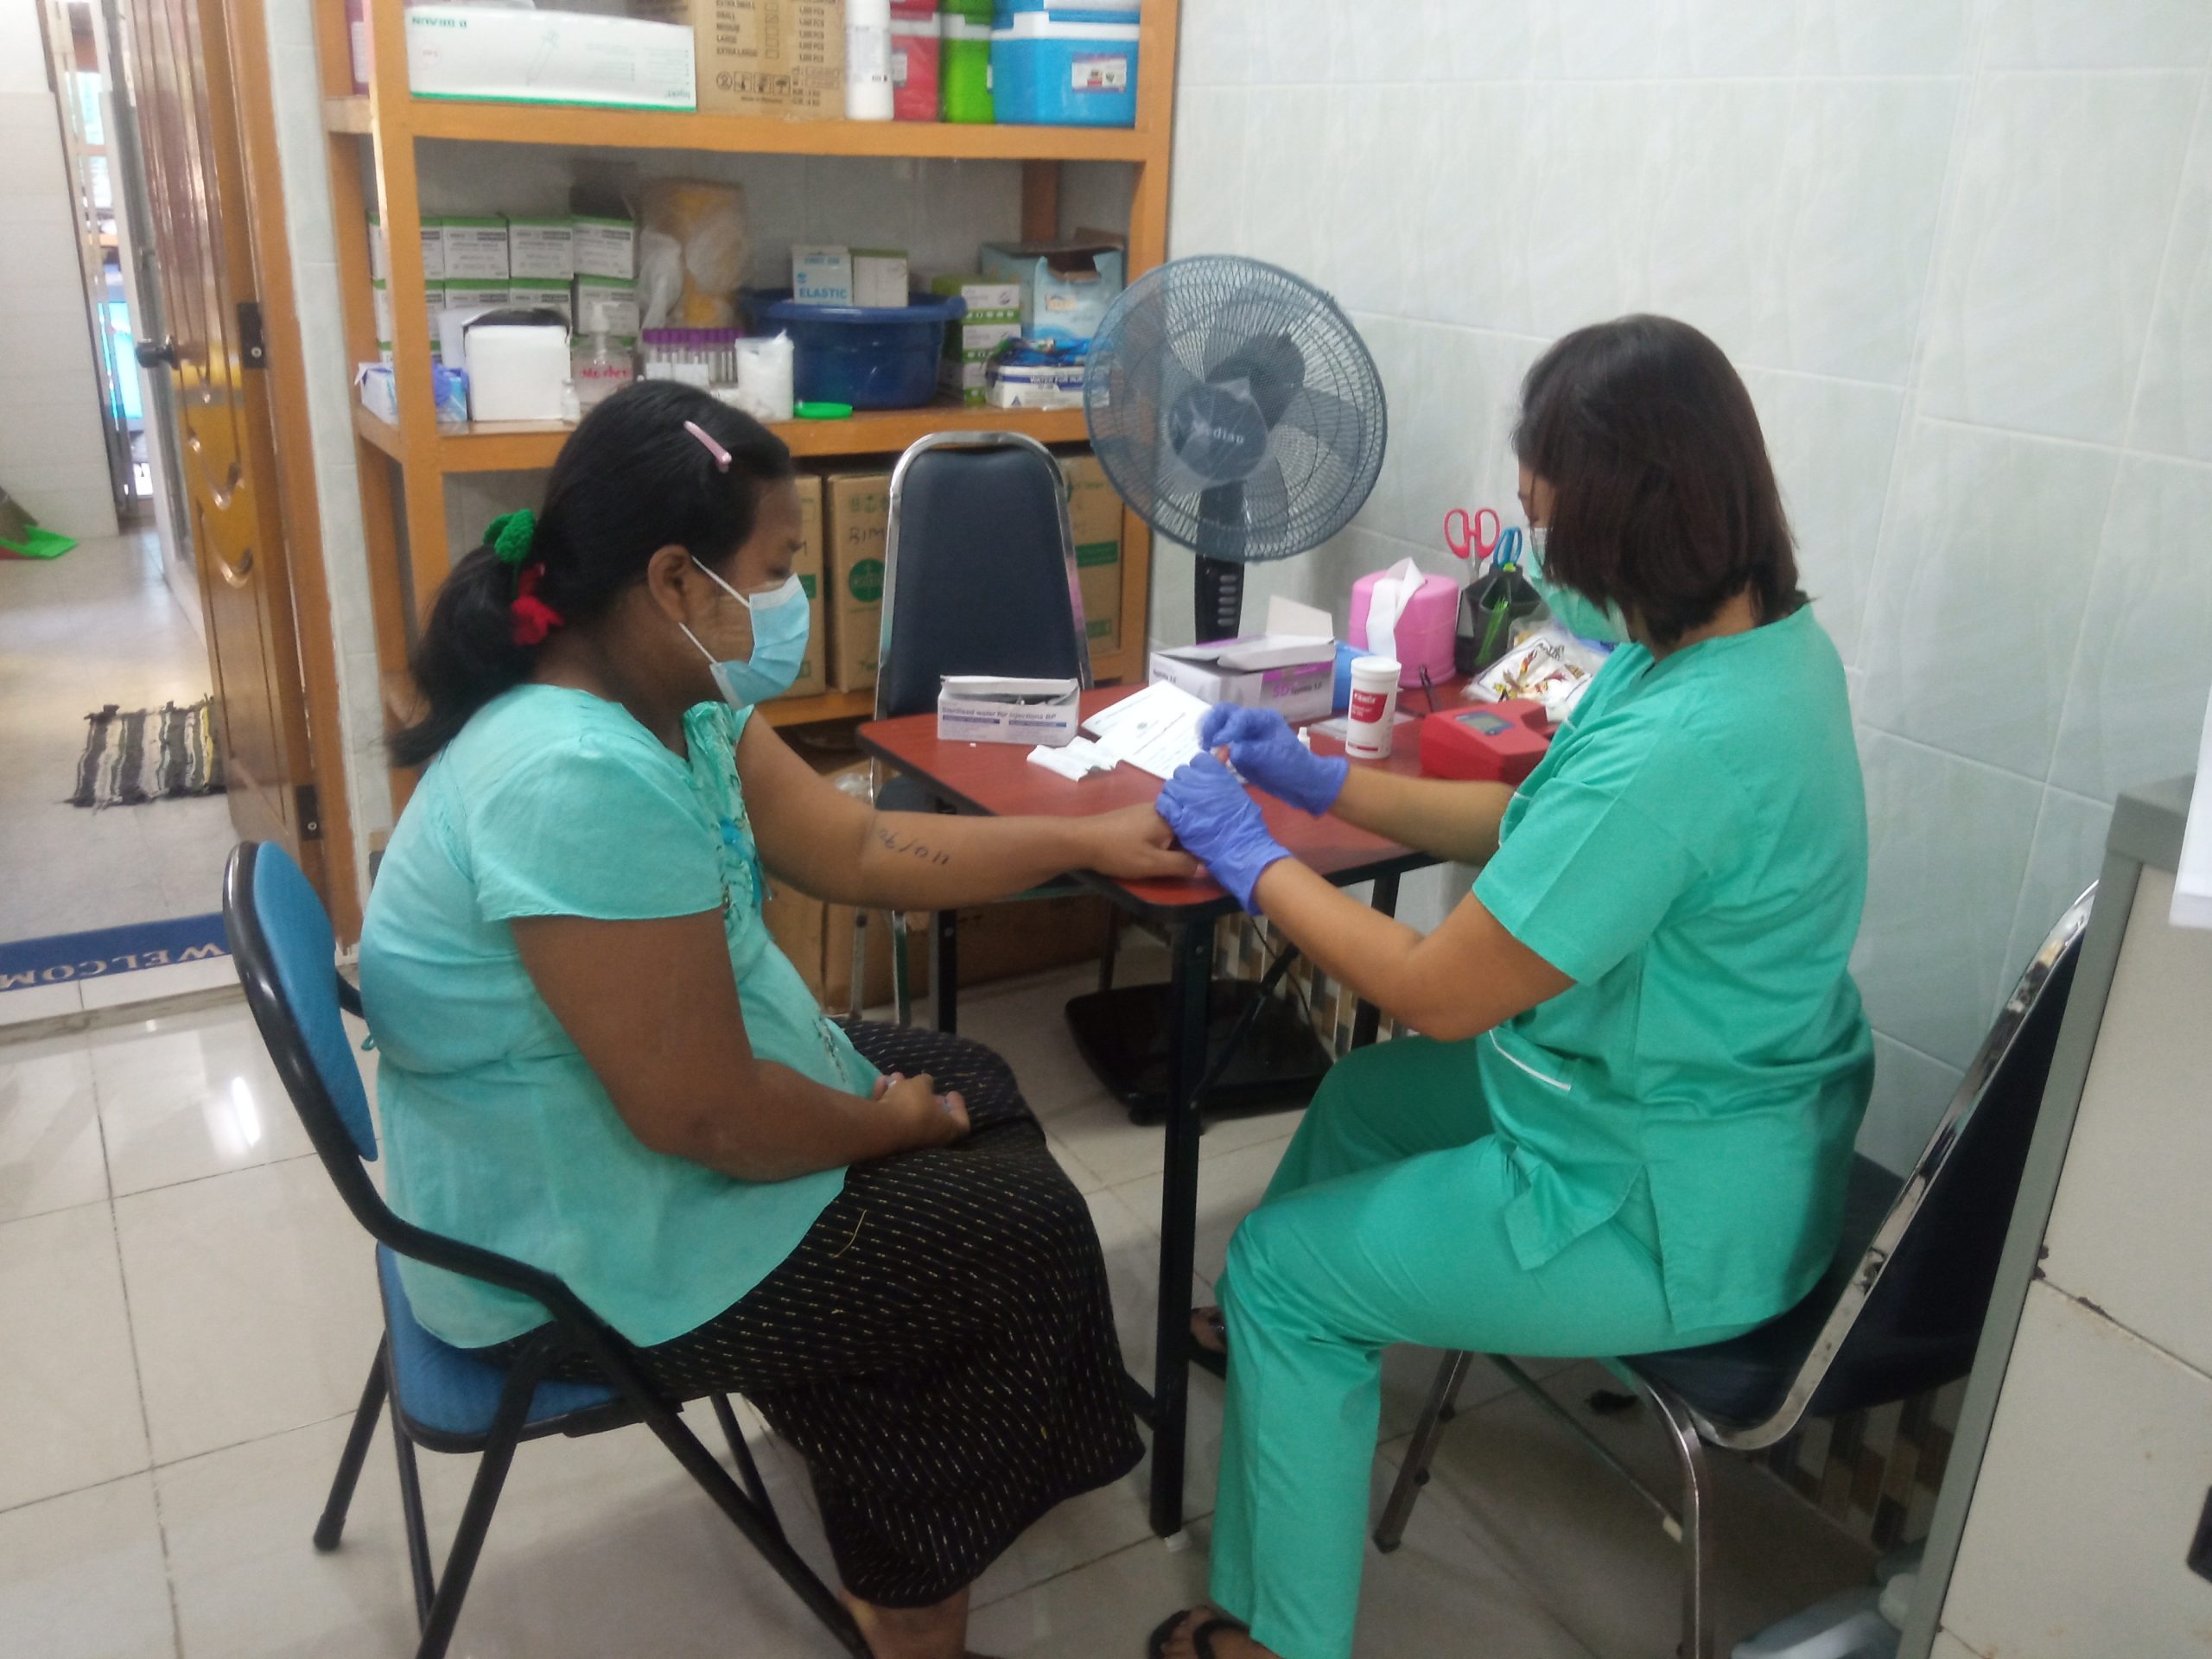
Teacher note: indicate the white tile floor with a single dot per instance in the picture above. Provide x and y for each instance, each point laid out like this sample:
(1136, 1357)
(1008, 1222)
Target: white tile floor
(97, 625)
(188, 1313)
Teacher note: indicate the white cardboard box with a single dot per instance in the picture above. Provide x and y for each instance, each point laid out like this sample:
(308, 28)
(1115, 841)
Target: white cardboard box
(549, 57)
(1293, 675)
(821, 275)
(605, 305)
(880, 276)
(472, 250)
(541, 250)
(993, 708)
(605, 247)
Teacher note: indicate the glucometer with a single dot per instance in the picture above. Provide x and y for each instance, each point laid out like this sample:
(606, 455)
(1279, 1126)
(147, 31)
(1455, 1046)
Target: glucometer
(1489, 742)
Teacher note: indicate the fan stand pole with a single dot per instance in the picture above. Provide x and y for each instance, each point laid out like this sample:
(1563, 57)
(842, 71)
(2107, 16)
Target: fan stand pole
(1219, 601)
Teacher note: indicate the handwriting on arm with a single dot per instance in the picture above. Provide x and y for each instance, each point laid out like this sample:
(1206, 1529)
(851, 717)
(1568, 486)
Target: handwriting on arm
(913, 846)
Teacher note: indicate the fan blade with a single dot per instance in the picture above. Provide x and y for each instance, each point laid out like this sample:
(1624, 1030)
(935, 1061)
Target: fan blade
(1336, 424)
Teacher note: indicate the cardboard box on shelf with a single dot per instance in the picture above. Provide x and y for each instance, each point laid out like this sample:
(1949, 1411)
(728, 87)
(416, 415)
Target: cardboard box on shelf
(541, 249)
(821, 274)
(782, 58)
(1096, 517)
(603, 247)
(549, 57)
(994, 317)
(471, 249)
(880, 276)
(856, 515)
(551, 296)
(1067, 287)
(812, 679)
(605, 305)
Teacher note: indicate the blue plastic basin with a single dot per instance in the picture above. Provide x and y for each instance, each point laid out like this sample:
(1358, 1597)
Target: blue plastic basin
(871, 356)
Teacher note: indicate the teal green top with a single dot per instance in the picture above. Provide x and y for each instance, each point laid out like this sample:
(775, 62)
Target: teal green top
(1692, 853)
(552, 801)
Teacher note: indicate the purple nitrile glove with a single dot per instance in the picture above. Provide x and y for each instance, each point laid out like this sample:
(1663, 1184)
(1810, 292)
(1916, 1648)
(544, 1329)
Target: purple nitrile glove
(1219, 824)
(1267, 751)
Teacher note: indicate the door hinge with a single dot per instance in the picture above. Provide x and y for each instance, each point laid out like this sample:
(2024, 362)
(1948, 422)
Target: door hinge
(310, 813)
(253, 344)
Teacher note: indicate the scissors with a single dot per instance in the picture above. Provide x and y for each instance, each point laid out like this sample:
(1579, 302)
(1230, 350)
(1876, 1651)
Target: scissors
(1472, 536)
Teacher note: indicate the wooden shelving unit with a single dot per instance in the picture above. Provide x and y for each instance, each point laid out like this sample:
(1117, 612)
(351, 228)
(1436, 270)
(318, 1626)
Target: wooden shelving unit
(404, 466)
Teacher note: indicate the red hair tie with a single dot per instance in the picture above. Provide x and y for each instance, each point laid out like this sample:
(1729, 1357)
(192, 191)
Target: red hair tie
(534, 618)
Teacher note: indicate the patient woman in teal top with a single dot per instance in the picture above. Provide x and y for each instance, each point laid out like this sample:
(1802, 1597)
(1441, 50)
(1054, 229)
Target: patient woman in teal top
(1627, 1122)
(595, 1058)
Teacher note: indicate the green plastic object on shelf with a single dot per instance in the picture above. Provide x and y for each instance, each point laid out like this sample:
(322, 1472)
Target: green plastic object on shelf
(823, 411)
(964, 62)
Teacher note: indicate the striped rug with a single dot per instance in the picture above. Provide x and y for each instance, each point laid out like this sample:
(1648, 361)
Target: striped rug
(149, 754)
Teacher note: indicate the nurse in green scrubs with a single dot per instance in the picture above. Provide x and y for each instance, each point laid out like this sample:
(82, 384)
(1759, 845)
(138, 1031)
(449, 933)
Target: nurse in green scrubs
(1627, 1120)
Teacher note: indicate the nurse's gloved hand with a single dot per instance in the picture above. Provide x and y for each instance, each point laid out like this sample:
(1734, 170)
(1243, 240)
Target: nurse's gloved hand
(1263, 747)
(1214, 818)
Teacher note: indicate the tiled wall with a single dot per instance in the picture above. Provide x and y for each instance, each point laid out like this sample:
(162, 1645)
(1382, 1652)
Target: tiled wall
(1961, 251)
(52, 458)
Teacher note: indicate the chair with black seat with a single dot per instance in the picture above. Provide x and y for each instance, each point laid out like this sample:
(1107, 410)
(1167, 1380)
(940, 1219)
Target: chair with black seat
(1898, 1312)
(979, 577)
(445, 1398)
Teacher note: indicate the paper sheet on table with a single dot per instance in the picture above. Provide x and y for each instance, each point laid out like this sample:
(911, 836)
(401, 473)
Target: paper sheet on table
(1155, 731)
(1075, 760)
(2192, 905)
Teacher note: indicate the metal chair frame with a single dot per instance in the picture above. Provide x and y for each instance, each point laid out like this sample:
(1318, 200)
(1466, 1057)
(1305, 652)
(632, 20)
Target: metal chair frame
(1689, 1520)
(902, 994)
(575, 1330)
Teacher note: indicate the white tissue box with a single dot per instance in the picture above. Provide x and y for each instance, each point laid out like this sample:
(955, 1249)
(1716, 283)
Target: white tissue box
(993, 708)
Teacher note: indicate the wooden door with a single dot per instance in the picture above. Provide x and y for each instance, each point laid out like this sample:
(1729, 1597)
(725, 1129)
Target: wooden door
(180, 67)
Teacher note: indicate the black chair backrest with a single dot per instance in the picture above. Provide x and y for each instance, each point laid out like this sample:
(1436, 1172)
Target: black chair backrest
(1933, 1265)
(281, 938)
(979, 569)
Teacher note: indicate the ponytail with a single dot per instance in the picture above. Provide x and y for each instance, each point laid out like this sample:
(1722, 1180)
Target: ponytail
(630, 480)
(467, 654)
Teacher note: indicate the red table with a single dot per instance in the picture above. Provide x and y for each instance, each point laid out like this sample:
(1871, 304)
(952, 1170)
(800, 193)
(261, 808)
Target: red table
(997, 779)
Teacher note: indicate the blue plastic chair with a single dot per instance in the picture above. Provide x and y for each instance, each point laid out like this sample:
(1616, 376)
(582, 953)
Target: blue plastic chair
(445, 1398)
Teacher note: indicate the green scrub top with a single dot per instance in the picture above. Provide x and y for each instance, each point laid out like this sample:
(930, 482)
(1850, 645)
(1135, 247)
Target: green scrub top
(552, 801)
(1692, 853)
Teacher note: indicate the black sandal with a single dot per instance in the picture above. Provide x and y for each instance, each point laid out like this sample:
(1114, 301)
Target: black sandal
(1155, 1645)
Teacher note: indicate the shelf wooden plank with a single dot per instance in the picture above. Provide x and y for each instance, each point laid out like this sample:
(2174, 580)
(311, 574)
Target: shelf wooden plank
(347, 114)
(379, 432)
(525, 446)
(489, 122)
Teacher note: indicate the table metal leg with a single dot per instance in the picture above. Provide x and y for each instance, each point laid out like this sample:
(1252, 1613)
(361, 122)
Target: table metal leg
(1367, 1019)
(1190, 990)
(944, 973)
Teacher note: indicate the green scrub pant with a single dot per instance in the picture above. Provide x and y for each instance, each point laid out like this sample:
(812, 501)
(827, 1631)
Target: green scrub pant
(1385, 1222)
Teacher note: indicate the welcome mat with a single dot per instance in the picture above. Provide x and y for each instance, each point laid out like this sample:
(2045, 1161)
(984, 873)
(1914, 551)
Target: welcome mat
(65, 956)
(149, 754)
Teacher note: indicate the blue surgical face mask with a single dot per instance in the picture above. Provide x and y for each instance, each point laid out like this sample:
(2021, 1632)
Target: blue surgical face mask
(1577, 613)
(780, 619)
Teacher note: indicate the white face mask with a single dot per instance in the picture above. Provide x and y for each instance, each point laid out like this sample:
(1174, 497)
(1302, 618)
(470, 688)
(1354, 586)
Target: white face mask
(1577, 613)
(781, 620)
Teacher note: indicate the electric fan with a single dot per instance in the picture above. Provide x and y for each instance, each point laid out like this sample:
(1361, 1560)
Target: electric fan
(1237, 411)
